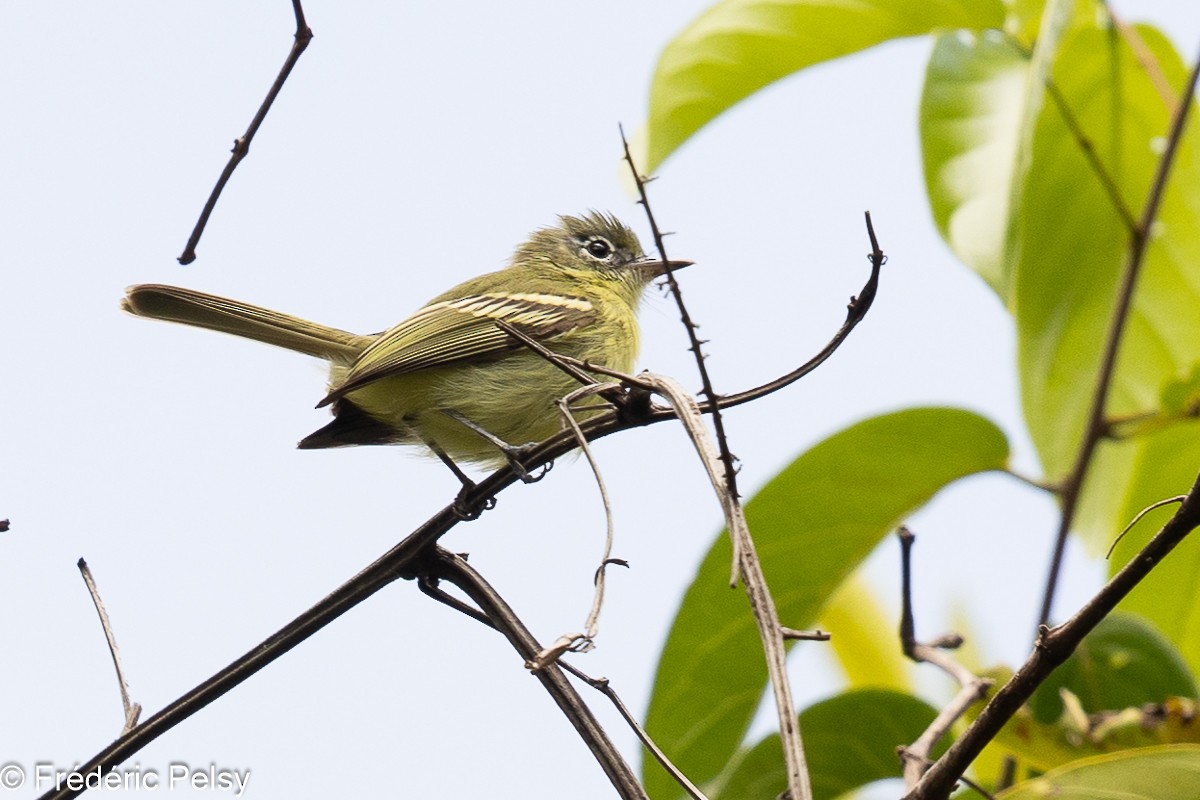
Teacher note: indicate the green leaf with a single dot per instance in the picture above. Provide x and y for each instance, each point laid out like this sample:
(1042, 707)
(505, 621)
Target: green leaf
(813, 524)
(1167, 772)
(1069, 243)
(1181, 395)
(737, 47)
(850, 740)
(1123, 663)
(971, 110)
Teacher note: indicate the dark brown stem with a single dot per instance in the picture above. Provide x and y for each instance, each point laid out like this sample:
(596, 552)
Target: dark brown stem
(241, 146)
(971, 687)
(1096, 427)
(449, 567)
(706, 387)
(855, 311)
(1053, 647)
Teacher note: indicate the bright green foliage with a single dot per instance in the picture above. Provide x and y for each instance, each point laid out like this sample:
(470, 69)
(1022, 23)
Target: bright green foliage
(812, 525)
(1070, 242)
(971, 111)
(841, 756)
(737, 47)
(1122, 663)
(1040, 191)
(1168, 772)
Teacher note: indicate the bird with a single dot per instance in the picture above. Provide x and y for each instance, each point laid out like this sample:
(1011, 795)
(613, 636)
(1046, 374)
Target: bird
(448, 379)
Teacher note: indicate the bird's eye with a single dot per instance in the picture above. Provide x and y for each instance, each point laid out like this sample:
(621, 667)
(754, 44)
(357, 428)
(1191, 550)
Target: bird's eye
(598, 247)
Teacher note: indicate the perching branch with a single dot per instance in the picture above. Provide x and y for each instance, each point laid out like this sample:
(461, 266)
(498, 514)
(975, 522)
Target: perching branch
(405, 559)
(241, 145)
(1095, 427)
(1053, 647)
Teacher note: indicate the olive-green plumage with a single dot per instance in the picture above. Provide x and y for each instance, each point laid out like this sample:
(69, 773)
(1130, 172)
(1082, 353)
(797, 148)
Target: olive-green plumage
(575, 287)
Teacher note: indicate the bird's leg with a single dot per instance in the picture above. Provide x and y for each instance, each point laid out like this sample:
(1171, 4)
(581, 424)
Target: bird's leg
(513, 454)
(464, 510)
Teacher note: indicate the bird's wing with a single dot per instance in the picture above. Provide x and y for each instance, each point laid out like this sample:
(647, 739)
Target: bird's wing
(464, 328)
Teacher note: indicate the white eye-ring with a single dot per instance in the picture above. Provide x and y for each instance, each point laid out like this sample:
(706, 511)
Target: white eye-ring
(598, 247)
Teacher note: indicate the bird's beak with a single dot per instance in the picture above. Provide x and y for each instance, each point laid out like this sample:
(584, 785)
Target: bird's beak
(653, 267)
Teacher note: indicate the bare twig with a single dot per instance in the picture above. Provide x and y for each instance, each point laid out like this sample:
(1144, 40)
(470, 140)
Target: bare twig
(603, 686)
(856, 309)
(746, 563)
(449, 567)
(1137, 518)
(582, 642)
(806, 636)
(132, 710)
(241, 145)
(1053, 647)
(591, 626)
(1095, 426)
(972, 688)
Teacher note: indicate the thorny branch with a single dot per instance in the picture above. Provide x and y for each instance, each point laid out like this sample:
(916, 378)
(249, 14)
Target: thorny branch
(745, 559)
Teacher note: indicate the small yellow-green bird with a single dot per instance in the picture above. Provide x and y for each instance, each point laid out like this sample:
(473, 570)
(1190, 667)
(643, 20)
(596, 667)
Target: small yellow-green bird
(448, 377)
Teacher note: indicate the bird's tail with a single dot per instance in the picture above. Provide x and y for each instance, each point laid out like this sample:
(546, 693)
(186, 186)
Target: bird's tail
(174, 304)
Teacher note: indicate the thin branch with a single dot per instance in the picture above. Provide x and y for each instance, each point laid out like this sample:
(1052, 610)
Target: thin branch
(908, 756)
(1095, 426)
(1053, 647)
(591, 626)
(1093, 158)
(454, 569)
(791, 634)
(856, 309)
(582, 642)
(603, 686)
(241, 146)
(746, 563)
(132, 710)
(972, 688)
(1137, 518)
